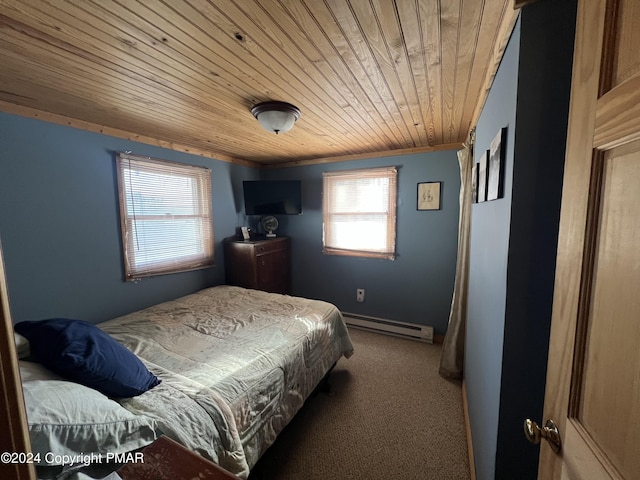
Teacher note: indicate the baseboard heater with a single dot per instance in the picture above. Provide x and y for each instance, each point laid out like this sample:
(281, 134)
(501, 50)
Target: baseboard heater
(422, 333)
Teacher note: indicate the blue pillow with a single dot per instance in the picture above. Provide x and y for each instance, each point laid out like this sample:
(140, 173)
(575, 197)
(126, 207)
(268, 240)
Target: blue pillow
(85, 354)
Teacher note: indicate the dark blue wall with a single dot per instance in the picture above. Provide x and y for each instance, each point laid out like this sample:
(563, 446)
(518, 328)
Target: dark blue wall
(514, 241)
(59, 222)
(417, 286)
(544, 72)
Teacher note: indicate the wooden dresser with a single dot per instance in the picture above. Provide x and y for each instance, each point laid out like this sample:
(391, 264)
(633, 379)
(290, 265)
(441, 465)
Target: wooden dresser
(259, 263)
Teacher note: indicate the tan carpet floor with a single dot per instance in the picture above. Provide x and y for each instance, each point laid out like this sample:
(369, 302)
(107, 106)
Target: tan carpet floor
(389, 416)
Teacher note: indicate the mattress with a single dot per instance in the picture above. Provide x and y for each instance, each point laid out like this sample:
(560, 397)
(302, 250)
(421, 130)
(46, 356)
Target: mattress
(236, 365)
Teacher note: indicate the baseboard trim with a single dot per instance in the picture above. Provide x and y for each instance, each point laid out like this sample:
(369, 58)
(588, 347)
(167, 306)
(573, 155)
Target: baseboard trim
(467, 424)
(437, 338)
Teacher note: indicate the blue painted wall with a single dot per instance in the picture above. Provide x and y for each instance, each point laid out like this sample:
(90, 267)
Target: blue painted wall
(60, 231)
(514, 241)
(418, 285)
(490, 226)
(59, 222)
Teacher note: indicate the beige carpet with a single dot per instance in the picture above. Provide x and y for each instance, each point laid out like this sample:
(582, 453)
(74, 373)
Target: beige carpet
(389, 416)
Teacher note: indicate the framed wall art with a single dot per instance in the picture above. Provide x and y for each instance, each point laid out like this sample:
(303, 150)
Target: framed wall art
(495, 183)
(482, 177)
(474, 183)
(429, 195)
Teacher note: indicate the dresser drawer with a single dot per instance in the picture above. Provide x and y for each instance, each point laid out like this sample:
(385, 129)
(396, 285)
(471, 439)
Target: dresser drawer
(269, 246)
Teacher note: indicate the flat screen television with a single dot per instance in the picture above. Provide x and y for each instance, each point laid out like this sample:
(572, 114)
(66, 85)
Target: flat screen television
(272, 197)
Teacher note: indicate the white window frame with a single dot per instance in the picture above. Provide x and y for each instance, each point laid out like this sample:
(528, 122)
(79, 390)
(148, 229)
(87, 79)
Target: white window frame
(165, 215)
(347, 226)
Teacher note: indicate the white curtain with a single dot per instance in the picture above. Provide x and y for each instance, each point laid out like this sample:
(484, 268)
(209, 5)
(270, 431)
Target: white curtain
(452, 357)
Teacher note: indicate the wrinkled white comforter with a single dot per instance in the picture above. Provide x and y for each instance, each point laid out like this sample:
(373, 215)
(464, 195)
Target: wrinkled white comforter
(236, 365)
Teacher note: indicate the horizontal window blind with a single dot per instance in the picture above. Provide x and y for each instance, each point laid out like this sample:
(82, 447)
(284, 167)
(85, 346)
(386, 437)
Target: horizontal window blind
(359, 212)
(166, 216)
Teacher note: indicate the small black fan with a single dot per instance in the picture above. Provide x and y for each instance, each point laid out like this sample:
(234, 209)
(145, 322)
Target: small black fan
(269, 224)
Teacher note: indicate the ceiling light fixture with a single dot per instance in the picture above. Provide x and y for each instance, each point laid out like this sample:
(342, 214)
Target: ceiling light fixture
(276, 116)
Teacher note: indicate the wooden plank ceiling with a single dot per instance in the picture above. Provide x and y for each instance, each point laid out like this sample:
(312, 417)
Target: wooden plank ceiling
(370, 76)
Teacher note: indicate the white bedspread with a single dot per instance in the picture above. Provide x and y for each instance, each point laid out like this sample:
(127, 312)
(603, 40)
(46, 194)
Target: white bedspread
(236, 365)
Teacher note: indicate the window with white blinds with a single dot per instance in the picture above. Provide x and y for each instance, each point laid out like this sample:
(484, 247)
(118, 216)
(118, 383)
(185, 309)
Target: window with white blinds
(359, 212)
(166, 217)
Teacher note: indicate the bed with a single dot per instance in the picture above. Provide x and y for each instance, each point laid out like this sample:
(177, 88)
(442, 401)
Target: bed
(234, 366)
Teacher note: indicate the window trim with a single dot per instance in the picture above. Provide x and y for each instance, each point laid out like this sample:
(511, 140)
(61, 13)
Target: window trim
(391, 173)
(184, 263)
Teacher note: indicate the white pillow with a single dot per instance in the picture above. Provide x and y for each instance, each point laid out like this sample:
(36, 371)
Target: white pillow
(22, 345)
(66, 418)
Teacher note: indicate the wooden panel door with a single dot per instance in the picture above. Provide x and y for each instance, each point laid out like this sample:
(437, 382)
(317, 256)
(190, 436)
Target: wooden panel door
(593, 378)
(14, 433)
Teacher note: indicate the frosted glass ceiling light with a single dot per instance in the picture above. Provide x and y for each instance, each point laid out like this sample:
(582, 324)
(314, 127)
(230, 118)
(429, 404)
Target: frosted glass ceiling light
(276, 116)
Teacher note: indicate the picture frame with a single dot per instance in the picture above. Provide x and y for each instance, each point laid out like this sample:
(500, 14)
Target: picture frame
(482, 177)
(495, 181)
(474, 183)
(429, 195)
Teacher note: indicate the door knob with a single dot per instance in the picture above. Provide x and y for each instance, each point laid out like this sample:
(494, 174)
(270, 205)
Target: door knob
(549, 432)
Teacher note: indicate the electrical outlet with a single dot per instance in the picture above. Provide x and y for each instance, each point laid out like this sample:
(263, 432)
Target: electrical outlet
(360, 294)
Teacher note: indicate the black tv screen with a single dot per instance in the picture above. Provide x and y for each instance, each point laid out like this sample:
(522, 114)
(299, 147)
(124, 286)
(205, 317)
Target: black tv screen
(272, 197)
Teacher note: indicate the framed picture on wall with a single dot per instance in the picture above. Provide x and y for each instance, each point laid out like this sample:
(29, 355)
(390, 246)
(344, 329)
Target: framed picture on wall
(429, 195)
(482, 177)
(474, 183)
(495, 184)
